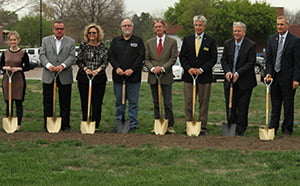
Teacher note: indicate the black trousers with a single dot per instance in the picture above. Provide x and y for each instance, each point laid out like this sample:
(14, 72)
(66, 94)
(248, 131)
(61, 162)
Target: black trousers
(240, 107)
(19, 109)
(64, 95)
(98, 91)
(167, 100)
(281, 95)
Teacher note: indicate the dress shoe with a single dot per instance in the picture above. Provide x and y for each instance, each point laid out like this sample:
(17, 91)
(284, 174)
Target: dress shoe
(171, 130)
(132, 129)
(203, 133)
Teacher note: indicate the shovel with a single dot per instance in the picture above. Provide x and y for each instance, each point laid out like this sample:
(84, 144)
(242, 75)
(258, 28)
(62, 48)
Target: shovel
(160, 125)
(229, 129)
(266, 133)
(54, 123)
(123, 126)
(88, 127)
(193, 128)
(10, 124)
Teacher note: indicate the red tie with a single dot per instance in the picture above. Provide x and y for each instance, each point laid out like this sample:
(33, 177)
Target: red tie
(159, 48)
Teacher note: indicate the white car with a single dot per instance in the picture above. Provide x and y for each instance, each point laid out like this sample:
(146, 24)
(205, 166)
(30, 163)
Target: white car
(177, 70)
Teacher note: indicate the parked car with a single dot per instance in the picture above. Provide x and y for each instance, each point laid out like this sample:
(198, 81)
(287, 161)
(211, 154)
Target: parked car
(177, 70)
(218, 71)
(34, 55)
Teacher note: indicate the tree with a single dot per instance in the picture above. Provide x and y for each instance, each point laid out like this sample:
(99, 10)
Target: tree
(259, 17)
(29, 30)
(9, 18)
(294, 17)
(77, 14)
(143, 25)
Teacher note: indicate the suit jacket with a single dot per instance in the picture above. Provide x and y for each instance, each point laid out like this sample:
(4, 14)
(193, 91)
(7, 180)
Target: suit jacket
(245, 62)
(290, 59)
(166, 60)
(206, 59)
(66, 55)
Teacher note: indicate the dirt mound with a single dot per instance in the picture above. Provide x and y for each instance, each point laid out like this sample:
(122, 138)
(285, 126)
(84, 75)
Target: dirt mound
(177, 141)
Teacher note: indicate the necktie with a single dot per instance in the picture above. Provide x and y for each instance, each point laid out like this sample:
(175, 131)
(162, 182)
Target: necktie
(236, 54)
(197, 45)
(277, 67)
(159, 48)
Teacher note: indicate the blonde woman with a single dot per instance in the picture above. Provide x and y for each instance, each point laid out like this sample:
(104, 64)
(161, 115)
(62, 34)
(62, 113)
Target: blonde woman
(92, 60)
(15, 60)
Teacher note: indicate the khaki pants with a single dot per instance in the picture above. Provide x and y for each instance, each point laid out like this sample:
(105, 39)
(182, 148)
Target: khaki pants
(203, 92)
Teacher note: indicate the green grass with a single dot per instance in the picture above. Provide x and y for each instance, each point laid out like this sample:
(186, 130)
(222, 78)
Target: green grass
(33, 109)
(71, 163)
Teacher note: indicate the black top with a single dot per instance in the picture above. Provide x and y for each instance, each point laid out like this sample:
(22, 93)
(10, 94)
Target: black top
(127, 54)
(92, 57)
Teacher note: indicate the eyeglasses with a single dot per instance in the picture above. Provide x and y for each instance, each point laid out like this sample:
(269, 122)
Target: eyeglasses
(92, 32)
(126, 26)
(59, 28)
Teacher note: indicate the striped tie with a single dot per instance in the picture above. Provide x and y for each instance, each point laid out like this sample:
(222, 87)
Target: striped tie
(197, 45)
(277, 67)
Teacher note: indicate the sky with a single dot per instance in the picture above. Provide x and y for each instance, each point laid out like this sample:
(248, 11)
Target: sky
(157, 7)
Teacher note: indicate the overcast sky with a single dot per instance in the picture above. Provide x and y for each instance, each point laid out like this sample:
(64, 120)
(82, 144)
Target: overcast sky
(156, 7)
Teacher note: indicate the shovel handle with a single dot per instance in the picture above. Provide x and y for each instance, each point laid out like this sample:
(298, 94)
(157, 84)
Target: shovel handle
(123, 91)
(194, 95)
(89, 98)
(9, 93)
(268, 85)
(54, 95)
(230, 95)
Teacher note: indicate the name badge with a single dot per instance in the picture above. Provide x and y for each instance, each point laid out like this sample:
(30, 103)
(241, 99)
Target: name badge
(133, 44)
(206, 49)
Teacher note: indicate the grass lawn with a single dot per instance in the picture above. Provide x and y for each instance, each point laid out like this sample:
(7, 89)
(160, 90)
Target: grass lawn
(72, 163)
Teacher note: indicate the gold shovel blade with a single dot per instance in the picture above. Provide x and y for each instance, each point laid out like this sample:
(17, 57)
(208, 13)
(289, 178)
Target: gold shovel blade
(10, 124)
(266, 134)
(160, 126)
(193, 128)
(53, 124)
(87, 127)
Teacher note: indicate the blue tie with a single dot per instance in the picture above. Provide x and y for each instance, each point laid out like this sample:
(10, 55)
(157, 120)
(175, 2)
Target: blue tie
(236, 54)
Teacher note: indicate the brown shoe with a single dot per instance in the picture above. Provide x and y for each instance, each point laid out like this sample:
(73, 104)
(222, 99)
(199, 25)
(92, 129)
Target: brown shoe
(171, 130)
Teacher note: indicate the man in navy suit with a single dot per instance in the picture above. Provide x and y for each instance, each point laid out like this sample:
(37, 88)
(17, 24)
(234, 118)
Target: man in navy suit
(238, 60)
(283, 65)
(198, 60)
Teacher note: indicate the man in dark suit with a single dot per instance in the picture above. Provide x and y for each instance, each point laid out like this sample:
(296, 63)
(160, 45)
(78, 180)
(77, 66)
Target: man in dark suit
(238, 60)
(161, 54)
(57, 55)
(283, 65)
(198, 55)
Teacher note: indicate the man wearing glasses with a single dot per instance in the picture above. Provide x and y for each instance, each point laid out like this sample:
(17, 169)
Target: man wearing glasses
(57, 55)
(126, 55)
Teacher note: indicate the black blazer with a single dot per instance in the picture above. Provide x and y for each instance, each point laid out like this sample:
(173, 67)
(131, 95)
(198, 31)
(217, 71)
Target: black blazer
(290, 59)
(245, 62)
(206, 59)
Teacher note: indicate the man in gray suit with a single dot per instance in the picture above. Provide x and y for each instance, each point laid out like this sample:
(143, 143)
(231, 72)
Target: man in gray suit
(57, 55)
(161, 54)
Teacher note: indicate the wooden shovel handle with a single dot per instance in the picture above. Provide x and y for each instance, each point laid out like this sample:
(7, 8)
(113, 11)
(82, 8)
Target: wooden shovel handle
(9, 93)
(123, 92)
(230, 96)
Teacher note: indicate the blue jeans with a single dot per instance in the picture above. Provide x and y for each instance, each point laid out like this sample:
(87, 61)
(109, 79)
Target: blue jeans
(132, 94)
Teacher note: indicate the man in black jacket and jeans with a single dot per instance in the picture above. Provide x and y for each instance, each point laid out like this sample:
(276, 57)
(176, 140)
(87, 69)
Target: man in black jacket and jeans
(126, 55)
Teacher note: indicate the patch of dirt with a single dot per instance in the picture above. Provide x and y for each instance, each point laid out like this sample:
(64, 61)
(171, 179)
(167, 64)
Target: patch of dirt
(169, 141)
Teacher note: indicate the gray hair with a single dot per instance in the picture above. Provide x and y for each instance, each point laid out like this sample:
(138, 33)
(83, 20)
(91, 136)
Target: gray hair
(128, 20)
(244, 27)
(200, 18)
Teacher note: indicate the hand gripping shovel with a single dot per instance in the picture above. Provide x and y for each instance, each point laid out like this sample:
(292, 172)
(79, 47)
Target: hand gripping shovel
(193, 128)
(10, 124)
(229, 128)
(54, 123)
(160, 125)
(88, 127)
(266, 133)
(123, 126)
